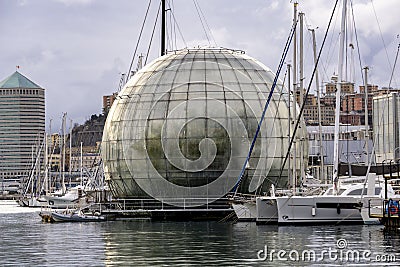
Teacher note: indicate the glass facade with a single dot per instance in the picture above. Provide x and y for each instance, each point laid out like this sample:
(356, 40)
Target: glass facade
(181, 128)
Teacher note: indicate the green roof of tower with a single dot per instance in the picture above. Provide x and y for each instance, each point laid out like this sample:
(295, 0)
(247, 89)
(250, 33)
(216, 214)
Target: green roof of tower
(17, 80)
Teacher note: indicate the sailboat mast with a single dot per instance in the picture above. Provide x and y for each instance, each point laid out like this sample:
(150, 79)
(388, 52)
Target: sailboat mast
(33, 171)
(51, 155)
(338, 95)
(81, 164)
(301, 82)
(366, 114)
(294, 93)
(301, 50)
(63, 152)
(319, 105)
(70, 149)
(163, 27)
(289, 132)
(46, 163)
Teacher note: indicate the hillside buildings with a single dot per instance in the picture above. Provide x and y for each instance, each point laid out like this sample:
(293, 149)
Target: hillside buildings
(352, 105)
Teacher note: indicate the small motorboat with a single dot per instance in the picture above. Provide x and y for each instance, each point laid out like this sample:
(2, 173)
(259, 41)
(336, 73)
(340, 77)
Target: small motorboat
(71, 216)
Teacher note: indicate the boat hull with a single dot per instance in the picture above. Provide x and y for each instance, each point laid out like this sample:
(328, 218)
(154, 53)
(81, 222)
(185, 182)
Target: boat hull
(245, 211)
(74, 217)
(31, 202)
(266, 210)
(319, 210)
(60, 202)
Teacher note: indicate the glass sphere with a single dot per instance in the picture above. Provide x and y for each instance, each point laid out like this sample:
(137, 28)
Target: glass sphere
(181, 129)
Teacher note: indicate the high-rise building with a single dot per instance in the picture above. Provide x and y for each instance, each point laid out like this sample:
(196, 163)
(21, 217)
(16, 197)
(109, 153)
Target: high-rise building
(22, 124)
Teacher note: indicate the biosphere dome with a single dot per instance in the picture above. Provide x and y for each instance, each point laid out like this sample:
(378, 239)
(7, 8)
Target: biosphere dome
(182, 126)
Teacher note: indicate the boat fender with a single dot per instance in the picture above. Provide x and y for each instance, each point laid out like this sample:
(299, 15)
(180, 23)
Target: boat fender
(313, 211)
(338, 208)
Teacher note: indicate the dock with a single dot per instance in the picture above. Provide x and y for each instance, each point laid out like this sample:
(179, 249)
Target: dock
(387, 211)
(155, 210)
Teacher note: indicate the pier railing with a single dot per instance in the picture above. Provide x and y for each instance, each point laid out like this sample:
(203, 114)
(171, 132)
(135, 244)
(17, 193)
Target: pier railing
(389, 214)
(170, 204)
(391, 208)
(384, 208)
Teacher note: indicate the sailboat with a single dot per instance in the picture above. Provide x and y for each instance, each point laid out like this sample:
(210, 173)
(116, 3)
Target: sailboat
(73, 196)
(31, 195)
(263, 209)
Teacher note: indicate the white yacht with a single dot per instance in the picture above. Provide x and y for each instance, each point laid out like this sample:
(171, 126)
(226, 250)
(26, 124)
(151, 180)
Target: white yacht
(267, 208)
(349, 205)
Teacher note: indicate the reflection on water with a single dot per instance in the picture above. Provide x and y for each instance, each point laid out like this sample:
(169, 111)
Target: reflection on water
(26, 241)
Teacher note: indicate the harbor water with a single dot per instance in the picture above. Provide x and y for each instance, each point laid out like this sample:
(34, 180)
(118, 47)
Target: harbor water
(26, 241)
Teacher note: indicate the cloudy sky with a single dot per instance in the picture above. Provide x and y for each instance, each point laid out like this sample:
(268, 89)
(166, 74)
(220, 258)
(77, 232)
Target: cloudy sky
(77, 49)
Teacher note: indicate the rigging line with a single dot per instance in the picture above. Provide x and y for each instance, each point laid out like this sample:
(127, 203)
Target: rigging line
(308, 37)
(282, 61)
(170, 41)
(173, 27)
(274, 120)
(179, 29)
(309, 45)
(201, 21)
(170, 34)
(394, 66)
(137, 44)
(308, 90)
(168, 31)
(330, 54)
(358, 44)
(352, 48)
(152, 34)
(208, 27)
(380, 32)
(167, 34)
(277, 109)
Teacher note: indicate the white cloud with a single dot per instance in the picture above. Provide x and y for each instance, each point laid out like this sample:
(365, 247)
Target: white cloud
(75, 2)
(77, 48)
(22, 2)
(386, 21)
